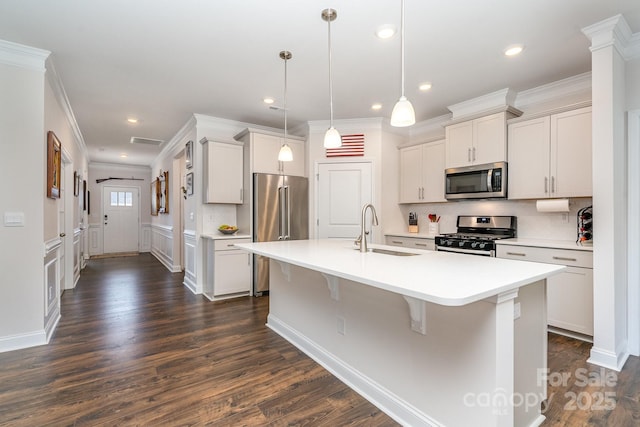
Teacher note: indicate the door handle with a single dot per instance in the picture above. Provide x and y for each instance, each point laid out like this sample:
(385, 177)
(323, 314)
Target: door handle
(63, 234)
(546, 185)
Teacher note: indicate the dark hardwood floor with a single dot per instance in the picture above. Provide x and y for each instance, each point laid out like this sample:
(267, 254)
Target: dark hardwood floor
(134, 347)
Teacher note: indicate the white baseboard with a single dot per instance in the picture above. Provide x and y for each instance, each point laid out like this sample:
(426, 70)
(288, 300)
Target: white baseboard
(398, 409)
(190, 285)
(16, 342)
(608, 359)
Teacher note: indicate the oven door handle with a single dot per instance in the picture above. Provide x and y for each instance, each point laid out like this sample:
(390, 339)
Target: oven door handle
(465, 251)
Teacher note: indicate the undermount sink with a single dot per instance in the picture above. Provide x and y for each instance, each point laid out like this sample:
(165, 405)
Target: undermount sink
(391, 252)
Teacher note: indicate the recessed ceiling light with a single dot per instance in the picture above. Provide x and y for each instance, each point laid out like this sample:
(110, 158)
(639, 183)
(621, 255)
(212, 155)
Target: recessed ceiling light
(132, 120)
(268, 100)
(425, 86)
(385, 31)
(513, 50)
(123, 155)
(376, 106)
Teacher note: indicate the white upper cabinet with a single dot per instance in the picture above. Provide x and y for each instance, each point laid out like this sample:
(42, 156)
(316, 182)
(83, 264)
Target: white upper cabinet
(223, 172)
(477, 141)
(264, 149)
(422, 173)
(550, 156)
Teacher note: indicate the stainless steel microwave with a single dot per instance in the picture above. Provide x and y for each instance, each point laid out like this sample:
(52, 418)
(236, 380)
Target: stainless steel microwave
(487, 181)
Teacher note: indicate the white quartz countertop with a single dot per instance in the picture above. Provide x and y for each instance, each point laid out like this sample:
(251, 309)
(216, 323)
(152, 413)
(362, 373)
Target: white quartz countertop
(439, 277)
(220, 236)
(544, 243)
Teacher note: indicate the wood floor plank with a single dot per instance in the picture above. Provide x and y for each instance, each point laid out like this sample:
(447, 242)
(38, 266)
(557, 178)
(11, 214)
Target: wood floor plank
(135, 348)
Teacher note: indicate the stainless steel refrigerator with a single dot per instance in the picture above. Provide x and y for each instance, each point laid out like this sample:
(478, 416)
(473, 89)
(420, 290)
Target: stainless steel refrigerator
(280, 212)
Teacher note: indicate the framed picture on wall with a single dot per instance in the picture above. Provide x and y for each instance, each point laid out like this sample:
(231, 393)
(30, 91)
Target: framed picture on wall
(84, 195)
(189, 184)
(54, 159)
(188, 154)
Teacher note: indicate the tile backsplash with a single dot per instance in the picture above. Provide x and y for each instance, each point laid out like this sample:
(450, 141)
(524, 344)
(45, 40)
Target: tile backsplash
(531, 223)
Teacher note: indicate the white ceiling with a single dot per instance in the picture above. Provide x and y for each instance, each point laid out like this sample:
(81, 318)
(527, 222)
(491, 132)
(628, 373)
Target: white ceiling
(161, 60)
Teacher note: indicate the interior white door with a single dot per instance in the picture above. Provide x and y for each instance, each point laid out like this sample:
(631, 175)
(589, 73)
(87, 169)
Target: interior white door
(120, 219)
(343, 188)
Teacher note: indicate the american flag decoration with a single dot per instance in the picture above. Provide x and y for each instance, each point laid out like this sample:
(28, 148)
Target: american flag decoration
(352, 145)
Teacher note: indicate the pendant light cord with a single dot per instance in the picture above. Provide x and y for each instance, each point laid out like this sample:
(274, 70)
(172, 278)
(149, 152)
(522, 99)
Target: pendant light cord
(330, 79)
(402, 47)
(285, 99)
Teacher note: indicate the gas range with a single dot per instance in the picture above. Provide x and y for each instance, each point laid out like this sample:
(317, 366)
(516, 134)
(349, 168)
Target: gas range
(477, 235)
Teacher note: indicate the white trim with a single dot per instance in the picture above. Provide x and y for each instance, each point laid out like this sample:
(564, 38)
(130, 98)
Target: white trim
(633, 251)
(17, 342)
(502, 99)
(61, 96)
(52, 245)
(558, 90)
(614, 31)
(397, 408)
(19, 55)
(608, 359)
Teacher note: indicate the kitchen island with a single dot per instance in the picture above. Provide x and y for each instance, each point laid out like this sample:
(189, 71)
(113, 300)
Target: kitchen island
(431, 338)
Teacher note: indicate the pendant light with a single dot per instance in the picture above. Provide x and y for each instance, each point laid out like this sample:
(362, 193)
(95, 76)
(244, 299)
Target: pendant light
(403, 114)
(332, 138)
(285, 154)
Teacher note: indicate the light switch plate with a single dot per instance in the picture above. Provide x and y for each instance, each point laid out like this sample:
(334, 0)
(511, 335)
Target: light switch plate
(14, 219)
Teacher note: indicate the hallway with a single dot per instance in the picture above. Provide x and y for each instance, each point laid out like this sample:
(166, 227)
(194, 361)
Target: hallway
(135, 347)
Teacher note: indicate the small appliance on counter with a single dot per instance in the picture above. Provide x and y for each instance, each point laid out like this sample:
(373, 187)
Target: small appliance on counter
(585, 226)
(413, 222)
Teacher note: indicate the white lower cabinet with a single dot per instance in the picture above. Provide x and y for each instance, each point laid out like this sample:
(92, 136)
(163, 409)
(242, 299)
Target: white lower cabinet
(228, 270)
(570, 293)
(410, 242)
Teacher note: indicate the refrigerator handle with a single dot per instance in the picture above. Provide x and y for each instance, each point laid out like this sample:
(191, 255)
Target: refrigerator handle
(280, 213)
(287, 212)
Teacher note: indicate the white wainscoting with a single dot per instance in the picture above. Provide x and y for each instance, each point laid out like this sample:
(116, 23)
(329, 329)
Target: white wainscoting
(95, 239)
(77, 253)
(162, 245)
(51, 287)
(190, 262)
(145, 237)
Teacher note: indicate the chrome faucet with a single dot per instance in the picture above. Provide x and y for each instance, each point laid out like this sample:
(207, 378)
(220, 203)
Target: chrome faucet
(362, 238)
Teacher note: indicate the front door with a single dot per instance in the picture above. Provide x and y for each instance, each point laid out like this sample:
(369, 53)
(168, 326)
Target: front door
(343, 189)
(120, 219)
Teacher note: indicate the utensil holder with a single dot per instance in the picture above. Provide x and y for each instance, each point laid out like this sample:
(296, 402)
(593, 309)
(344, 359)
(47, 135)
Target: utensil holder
(434, 228)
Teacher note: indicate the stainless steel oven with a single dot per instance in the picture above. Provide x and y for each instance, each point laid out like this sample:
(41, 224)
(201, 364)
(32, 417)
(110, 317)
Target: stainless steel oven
(477, 235)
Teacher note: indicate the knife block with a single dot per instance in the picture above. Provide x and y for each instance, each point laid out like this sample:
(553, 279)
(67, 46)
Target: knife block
(413, 229)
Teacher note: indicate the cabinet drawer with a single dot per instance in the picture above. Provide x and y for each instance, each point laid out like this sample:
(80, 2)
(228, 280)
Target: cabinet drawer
(228, 244)
(410, 242)
(566, 257)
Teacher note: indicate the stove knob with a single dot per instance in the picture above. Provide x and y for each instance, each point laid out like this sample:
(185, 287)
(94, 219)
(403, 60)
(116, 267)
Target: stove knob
(482, 245)
(461, 244)
(474, 244)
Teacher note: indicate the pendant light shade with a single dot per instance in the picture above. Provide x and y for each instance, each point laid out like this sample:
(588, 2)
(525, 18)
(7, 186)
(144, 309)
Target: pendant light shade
(402, 114)
(285, 154)
(332, 137)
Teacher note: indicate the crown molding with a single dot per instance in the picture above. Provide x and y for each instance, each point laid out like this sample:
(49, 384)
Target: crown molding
(19, 55)
(119, 167)
(61, 96)
(614, 31)
(558, 90)
(317, 126)
(502, 98)
(170, 145)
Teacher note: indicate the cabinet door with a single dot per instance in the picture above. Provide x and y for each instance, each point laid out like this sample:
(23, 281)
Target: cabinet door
(571, 154)
(570, 300)
(459, 139)
(232, 273)
(489, 139)
(529, 159)
(433, 172)
(265, 149)
(411, 169)
(224, 173)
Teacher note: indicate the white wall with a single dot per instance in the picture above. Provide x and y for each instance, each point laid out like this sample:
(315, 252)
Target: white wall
(23, 172)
